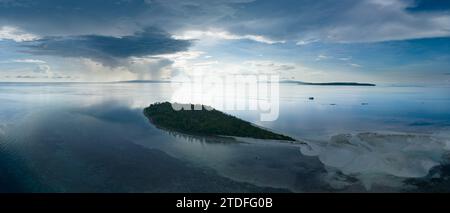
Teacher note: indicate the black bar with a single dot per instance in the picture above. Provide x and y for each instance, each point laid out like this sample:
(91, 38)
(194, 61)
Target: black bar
(301, 202)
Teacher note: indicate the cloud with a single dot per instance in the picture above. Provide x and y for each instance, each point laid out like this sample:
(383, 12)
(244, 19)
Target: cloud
(108, 50)
(31, 61)
(346, 21)
(27, 76)
(44, 77)
(24, 61)
(181, 56)
(208, 63)
(345, 58)
(43, 69)
(270, 65)
(355, 65)
(37, 67)
(15, 34)
(55, 17)
(112, 17)
(126, 39)
(306, 42)
(146, 68)
(220, 34)
(321, 57)
(301, 21)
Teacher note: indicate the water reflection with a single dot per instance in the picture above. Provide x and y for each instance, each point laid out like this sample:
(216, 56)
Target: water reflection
(94, 138)
(202, 139)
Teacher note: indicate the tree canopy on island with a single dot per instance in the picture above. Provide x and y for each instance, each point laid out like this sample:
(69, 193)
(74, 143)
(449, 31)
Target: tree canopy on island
(206, 122)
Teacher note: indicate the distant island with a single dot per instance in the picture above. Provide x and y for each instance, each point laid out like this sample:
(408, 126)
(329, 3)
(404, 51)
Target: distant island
(206, 122)
(144, 81)
(327, 83)
(282, 82)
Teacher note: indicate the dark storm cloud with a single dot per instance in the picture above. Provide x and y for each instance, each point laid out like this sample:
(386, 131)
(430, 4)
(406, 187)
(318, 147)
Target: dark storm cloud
(341, 21)
(63, 17)
(111, 17)
(325, 20)
(107, 49)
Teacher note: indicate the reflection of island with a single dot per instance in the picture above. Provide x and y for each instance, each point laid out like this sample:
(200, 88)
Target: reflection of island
(204, 138)
(206, 122)
(327, 84)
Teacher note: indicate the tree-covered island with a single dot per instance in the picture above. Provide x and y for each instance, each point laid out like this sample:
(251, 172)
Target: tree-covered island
(208, 122)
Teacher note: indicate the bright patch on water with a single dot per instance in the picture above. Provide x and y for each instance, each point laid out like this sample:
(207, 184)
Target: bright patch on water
(94, 138)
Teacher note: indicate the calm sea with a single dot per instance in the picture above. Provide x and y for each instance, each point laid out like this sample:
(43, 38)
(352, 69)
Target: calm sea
(60, 137)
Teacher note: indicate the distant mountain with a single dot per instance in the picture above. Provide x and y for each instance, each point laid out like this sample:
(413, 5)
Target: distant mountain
(327, 83)
(144, 81)
(282, 81)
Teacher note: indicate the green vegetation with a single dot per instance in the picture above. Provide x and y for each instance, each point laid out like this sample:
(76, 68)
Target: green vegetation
(205, 122)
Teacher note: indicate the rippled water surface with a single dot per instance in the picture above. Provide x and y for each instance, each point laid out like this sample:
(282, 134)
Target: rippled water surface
(94, 138)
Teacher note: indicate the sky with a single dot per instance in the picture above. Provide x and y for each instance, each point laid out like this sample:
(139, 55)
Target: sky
(379, 41)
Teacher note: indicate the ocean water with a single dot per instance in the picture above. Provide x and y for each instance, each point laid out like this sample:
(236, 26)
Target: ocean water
(61, 137)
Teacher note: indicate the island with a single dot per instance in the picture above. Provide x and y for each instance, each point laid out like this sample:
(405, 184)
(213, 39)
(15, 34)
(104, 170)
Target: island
(282, 82)
(207, 122)
(327, 83)
(143, 81)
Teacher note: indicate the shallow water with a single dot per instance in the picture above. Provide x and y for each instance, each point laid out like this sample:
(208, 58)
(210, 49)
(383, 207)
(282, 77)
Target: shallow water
(94, 138)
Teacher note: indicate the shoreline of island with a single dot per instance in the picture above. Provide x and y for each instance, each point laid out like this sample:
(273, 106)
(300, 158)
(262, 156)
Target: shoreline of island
(206, 122)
